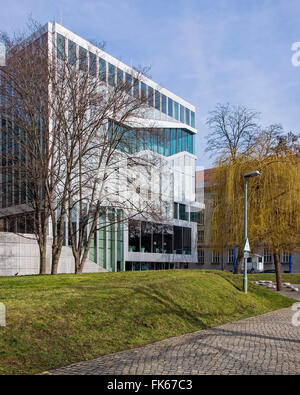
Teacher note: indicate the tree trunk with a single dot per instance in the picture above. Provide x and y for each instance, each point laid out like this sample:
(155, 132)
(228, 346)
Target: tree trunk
(55, 260)
(239, 262)
(43, 259)
(78, 267)
(277, 270)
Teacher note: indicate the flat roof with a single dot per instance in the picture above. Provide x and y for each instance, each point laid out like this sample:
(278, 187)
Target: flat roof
(56, 27)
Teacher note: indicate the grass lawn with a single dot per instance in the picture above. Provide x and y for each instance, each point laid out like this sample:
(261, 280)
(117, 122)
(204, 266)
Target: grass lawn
(53, 321)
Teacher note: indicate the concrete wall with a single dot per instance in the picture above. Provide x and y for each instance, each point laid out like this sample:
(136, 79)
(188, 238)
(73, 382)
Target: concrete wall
(20, 254)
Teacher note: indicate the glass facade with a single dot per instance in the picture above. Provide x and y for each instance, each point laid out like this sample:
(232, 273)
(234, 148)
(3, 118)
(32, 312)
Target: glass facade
(166, 142)
(157, 100)
(148, 237)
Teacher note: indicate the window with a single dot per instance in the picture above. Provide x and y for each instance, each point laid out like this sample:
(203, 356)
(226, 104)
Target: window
(102, 70)
(71, 52)
(61, 46)
(146, 237)
(176, 210)
(120, 77)
(157, 238)
(193, 119)
(150, 96)
(187, 116)
(168, 234)
(201, 257)
(143, 90)
(82, 59)
(128, 80)
(136, 88)
(157, 100)
(201, 236)
(111, 74)
(177, 240)
(179, 140)
(168, 142)
(134, 236)
(176, 113)
(231, 256)
(187, 240)
(182, 212)
(184, 140)
(267, 256)
(163, 104)
(197, 215)
(215, 257)
(170, 107)
(92, 65)
(285, 258)
(181, 114)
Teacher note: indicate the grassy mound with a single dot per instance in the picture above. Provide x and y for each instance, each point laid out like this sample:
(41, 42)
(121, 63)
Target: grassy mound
(53, 321)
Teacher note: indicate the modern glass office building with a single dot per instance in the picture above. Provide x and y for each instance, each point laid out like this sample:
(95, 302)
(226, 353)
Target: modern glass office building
(138, 244)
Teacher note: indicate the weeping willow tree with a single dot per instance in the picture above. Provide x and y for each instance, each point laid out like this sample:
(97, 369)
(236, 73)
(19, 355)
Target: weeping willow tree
(273, 203)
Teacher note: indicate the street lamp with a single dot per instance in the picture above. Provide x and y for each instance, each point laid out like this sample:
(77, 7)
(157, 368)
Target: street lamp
(247, 246)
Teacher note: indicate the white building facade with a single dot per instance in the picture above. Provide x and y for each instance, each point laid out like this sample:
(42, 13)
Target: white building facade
(137, 244)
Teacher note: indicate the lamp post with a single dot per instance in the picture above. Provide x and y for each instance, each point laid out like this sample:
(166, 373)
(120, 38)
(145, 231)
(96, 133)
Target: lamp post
(247, 246)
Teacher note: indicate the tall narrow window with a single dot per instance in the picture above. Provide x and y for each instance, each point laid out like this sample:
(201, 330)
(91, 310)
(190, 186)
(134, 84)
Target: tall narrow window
(111, 74)
(150, 96)
(193, 119)
(215, 257)
(163, 104)
(170, 107)
(157, 100)
(129, 83)
(187, 116)
(92, 65)
(136, 88)
(82, 59)
(61, 46)
(176, 111)
(102, 70)
(120, 77)
(143, 90)
(181, 114)
(71, 52)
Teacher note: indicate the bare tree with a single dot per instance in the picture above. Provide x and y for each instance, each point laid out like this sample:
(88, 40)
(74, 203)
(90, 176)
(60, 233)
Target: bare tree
(79, 130)
(232, 130)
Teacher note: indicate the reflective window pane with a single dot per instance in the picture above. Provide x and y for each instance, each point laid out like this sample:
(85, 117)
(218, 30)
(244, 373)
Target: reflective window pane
(150, 96)
(71, 52)
(92, 64)
(193, 119)
(60, 46)
(157, 100)
(82, 59)
(102, 70)
(176, 112)
(120, 77)
(187, 116)
(163, 104)
(170, 107)
(111, 74)
(181, 114)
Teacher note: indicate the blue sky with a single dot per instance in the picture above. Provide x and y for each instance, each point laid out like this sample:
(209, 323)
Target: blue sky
(208, 52)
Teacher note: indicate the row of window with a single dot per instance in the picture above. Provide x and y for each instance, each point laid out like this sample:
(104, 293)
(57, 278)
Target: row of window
(166, 142)
(137, 266)
(112, 75)
(216, 259)
(186, 213)
(147, 237)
